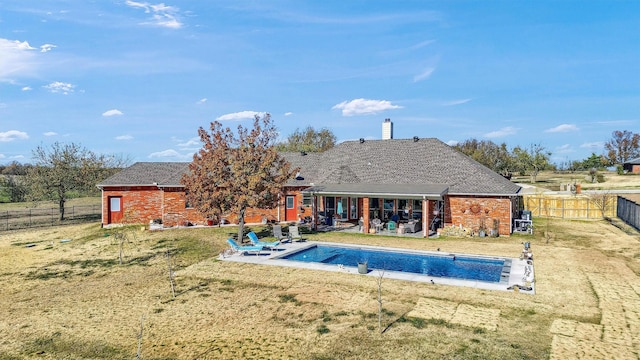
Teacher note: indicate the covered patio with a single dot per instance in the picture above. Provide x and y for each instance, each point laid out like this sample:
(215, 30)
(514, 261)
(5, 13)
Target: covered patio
(386, 209)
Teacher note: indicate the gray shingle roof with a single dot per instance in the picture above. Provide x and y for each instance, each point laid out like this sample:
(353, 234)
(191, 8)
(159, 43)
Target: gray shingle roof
(148, 173)
(402, 164)
(426, 161)
(635, 161)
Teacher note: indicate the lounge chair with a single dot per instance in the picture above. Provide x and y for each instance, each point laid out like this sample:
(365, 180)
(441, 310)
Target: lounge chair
(253, 238)
(294, 233)
(277, 233)
(242, 249)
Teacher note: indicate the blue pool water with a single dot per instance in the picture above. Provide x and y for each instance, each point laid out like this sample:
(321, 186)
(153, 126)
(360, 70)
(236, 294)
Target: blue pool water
(445, 265)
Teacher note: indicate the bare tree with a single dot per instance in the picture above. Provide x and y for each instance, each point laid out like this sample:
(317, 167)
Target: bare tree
(139, 352)
(602, 200)
(379, 284)
(63, 169)
(623, 146)
(171, 274)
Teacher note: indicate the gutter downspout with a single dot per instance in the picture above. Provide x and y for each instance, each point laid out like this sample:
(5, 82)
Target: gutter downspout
(279, 200)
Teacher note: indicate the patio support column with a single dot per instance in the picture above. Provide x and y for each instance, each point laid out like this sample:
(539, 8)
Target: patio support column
(314, 213)
(365, 215)
(425, 218)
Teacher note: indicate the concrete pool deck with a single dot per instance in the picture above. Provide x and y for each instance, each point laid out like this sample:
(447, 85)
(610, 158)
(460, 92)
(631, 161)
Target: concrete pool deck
(514, 272)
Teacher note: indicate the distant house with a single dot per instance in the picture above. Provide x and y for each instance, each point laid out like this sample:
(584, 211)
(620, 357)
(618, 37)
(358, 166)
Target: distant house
(356, 181)
(632, 166)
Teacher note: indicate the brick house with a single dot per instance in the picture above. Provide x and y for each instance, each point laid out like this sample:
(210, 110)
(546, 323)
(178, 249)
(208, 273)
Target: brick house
(356, 181)
(632, 166)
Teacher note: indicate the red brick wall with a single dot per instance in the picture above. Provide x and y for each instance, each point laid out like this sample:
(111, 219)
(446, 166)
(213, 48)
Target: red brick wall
(139, 204)
(470, 211)
(143, 204)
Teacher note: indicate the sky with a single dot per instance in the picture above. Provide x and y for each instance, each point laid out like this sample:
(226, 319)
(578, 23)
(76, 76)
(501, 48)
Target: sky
(137, 79)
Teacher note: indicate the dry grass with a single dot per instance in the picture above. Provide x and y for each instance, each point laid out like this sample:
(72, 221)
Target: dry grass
(73, 300)
(552, 180)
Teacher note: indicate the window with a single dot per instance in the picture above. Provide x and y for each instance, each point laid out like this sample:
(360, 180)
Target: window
(343, 207)
(291, 202)
(388, 208)
(353, 210)
(417, 209)
(403, 209)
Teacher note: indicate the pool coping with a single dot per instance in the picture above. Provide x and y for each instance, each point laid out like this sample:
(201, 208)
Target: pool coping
(513, 272)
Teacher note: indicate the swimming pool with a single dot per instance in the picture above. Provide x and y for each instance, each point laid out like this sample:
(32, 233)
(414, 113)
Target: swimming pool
(441, 265)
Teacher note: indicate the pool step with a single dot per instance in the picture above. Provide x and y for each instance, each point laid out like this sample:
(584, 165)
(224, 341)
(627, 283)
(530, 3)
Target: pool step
(326, 260)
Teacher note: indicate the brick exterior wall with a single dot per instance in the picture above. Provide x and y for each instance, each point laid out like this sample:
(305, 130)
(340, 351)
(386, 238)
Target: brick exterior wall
(143, 204)
(470, 211)
(146, 203)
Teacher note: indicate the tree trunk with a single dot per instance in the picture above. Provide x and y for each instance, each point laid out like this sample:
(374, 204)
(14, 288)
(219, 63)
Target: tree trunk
(241, 226)
(61, 209)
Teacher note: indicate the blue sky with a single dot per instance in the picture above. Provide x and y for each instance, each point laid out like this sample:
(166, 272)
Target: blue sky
(138, 78)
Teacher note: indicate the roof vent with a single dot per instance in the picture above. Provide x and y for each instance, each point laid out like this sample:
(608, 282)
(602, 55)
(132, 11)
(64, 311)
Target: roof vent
(361, 140)
(298, 176)
(303, 153)
(415, 139)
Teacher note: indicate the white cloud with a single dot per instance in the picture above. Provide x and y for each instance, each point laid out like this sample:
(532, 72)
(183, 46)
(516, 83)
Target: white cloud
(364, 107)
(452, 142)
(12, 135)
(50, 133)
(201, 101)
(194, 141)
(171, 154)
(112, 112)
(424, 75)
(46, 47)
(455, 102)
(165, 153)
(58, 87)
(593, 145)
(505, 131)
(124, 137)
(242, 115)
(563, 128)
(288, 113)
(16, 60)
(564, 149)
(27, 88)
(161, 15)
(2, 156)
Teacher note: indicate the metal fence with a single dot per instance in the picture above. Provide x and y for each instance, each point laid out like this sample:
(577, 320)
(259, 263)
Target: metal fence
(629, 212)
(30, 218)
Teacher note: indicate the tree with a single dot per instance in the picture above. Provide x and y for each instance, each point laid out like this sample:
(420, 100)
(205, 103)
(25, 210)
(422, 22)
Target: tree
(623, 146)
(593, 162)
(532, 160)
(12, 188)
(308, 140)
(65, 169)
(496, 157)
(232, 173)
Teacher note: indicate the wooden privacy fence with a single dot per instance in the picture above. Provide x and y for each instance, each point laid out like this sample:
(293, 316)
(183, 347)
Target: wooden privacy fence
(28, 218)
(629, 212)
(571, 206)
